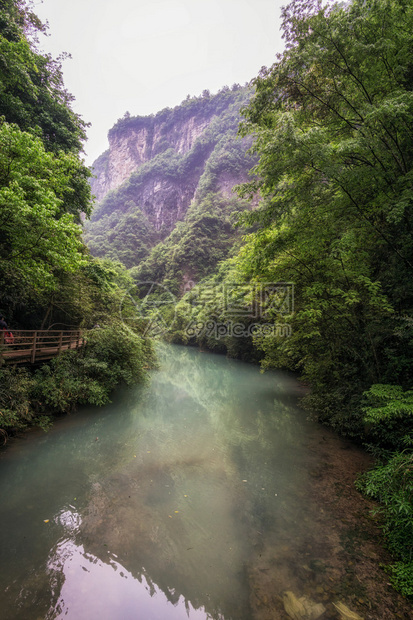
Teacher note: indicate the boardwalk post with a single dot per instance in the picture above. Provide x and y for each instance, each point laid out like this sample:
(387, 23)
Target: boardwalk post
(34, 347)
(60, 342)
(2, 337)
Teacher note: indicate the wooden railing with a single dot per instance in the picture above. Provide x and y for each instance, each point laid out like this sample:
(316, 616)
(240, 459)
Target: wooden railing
(27, 346)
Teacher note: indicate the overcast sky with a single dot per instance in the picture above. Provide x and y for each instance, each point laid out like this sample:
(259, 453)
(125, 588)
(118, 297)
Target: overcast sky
(144, 55)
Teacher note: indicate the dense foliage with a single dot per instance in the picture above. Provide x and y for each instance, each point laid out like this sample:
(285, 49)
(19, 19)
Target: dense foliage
(196, 245)
(38, 234)
(47, 277)
(113, 355)
(391, 483)
(43, 180)
(333, 121)
(32, 90)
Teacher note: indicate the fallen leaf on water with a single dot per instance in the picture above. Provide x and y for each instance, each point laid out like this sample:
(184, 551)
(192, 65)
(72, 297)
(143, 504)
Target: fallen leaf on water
(46, 520)
(176, 512)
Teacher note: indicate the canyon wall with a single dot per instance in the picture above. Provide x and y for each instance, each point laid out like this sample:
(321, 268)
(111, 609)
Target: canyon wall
(157, 166)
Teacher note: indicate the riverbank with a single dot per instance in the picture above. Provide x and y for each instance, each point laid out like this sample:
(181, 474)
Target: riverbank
(338, 559)
(33, 395)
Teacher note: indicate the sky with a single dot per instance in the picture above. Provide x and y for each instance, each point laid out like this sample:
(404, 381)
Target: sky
(142, 56)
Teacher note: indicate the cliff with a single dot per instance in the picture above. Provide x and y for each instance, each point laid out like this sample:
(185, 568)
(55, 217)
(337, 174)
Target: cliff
(135, 141)
(157, 166)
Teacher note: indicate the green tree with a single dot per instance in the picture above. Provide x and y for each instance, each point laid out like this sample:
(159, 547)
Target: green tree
(44, 188)
(37, 235)
(32, 93)
(332, 122)
(33, 96)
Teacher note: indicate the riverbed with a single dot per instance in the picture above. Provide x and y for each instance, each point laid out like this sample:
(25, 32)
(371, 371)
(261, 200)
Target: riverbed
(204, 494)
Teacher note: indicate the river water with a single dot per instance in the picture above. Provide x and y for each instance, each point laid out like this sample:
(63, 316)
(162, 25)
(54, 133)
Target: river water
(159, 506)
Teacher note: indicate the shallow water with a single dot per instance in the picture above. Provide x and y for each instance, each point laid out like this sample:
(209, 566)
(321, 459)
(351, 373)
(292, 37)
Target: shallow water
(156, 506)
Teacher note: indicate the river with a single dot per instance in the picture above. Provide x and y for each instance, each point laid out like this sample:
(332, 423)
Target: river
(191, 496)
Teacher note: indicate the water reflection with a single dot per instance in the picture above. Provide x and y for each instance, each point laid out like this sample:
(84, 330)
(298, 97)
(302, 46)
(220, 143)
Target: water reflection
(156, 504)
(116, 592)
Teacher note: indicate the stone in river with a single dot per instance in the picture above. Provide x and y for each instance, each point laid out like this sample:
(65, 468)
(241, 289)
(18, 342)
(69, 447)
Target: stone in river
(302, 608)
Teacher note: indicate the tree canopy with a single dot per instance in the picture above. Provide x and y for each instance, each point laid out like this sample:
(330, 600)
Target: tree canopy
(32, 92)
(333, 122)
(37, 234)
(44, 187)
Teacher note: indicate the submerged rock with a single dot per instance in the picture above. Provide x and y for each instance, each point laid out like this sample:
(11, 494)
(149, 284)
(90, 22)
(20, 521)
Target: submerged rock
(346, 613)
(302, 608)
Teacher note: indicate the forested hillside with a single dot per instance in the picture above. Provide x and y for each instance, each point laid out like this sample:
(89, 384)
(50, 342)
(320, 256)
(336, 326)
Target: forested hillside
(158, 166)
(47, 276)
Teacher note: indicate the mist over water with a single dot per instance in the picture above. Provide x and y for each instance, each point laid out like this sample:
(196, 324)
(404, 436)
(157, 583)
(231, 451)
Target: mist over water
(156, 506)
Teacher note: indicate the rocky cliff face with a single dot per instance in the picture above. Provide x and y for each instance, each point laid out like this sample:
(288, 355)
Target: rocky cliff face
(158, 165)
(128, 150)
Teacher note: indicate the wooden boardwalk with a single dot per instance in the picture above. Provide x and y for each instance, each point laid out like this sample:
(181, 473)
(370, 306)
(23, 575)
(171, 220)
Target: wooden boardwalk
(32, 346)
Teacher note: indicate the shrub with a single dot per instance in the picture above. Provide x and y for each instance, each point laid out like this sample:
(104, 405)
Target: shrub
(113, 355)
(15, 408)
(391, 483)
(388, 415)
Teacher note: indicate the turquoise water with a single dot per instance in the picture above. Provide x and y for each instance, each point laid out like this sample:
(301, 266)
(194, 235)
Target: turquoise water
(156, 506)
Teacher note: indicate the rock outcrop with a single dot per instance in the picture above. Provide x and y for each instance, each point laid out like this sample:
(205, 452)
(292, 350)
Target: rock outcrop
(131, 147)
(156, 166)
